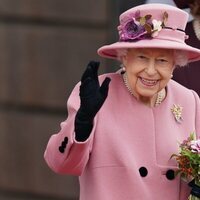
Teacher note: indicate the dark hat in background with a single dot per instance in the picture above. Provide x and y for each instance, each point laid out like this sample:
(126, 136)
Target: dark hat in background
(183, 3)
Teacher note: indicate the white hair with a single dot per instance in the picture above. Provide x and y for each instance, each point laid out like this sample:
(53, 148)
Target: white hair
(180, 56)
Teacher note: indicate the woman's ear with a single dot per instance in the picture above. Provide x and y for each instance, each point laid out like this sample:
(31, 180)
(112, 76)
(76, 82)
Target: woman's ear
(124, 60)
(174, 66)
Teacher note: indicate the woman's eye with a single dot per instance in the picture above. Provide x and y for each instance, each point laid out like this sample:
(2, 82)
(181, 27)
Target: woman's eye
(162, 60)
(142, 57)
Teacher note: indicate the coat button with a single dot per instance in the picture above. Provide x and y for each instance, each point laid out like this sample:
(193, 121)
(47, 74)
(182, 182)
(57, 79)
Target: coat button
(61, 149)
(66, 140)
(64, 144)
(143, 171)
(170, 174)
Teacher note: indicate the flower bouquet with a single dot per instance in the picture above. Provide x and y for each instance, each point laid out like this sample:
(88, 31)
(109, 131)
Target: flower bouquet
(188, 161)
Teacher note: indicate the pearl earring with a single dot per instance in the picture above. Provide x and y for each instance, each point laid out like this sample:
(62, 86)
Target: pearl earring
(123, 68)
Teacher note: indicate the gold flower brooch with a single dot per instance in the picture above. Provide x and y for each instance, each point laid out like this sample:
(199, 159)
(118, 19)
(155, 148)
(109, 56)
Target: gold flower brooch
(177, 112)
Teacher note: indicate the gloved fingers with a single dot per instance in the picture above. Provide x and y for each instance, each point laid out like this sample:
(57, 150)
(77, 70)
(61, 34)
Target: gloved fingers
(95, 67)
(90, 71)
(86, 86)
(87, 73)
(104, 87)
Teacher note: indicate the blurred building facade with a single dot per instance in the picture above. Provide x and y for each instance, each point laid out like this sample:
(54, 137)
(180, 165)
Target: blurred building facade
(45, 46)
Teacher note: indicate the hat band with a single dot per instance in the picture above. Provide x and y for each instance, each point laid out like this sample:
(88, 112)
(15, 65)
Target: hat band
(178, 29)
(166, 33)
(172, 35)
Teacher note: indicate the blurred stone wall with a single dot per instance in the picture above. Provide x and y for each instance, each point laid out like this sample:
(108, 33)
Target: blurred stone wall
(44, 48)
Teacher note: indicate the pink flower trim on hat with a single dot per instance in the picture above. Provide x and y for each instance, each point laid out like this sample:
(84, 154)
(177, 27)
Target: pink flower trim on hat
(137, 27)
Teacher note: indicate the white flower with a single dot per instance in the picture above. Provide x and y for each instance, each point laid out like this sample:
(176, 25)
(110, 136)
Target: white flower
(157, 27)
(195, 146)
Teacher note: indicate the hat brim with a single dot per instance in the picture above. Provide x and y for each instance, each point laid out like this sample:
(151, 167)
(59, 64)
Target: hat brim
(110, 51)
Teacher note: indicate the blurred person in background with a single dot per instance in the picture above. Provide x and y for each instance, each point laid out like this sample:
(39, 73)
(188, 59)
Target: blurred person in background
(189, 75)
(123, 127)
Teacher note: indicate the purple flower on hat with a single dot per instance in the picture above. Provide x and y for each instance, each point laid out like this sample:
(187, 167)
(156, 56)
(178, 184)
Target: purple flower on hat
(132, 30)
(137, 27)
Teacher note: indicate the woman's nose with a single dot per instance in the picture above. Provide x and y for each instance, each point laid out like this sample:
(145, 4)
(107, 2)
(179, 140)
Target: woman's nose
(151, 68)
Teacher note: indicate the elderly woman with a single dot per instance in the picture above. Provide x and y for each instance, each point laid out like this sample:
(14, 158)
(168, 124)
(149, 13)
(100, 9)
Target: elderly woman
(123, 127)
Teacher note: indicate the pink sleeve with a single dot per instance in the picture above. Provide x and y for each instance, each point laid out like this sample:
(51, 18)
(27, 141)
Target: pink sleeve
(73, 156)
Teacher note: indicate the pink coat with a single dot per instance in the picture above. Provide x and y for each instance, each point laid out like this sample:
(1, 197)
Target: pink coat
(127, 156)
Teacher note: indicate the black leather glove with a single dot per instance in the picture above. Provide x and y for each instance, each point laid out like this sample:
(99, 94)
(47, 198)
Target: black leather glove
(195, 189)
(92, 97)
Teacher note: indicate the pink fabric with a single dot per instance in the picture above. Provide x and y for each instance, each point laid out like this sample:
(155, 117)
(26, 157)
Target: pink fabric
(167, 38)
(127, 136)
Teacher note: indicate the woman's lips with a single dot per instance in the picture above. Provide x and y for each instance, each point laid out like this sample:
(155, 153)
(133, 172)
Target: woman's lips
(148, 82)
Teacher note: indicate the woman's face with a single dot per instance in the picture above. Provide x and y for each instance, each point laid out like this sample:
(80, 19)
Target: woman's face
(148, 70)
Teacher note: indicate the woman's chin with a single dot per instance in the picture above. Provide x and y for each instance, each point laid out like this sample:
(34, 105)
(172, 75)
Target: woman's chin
(147, 93)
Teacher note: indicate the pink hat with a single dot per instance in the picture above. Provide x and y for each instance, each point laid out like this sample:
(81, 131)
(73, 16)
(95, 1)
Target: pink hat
(152, 26)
